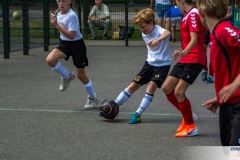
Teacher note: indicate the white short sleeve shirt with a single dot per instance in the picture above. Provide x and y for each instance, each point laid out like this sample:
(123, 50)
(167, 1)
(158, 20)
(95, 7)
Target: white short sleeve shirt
(159, 55)
(70, 22)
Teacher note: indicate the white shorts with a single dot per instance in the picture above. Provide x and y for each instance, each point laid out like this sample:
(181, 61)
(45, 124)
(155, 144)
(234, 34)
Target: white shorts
(176, 20)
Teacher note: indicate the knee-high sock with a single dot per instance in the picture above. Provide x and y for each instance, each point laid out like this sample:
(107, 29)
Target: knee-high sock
(90, 90)
(61, 70)
(147, 99)
(185, 109)
(123, 97)
(172, 99)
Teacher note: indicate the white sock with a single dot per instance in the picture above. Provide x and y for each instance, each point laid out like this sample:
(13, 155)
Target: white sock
(123, 97)
(147, 99)
(90, 90)
(61, 70)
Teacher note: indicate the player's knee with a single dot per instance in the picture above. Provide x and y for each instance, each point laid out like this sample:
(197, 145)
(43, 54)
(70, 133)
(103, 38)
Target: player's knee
(49, 60)
(179, 94)
(165, 89)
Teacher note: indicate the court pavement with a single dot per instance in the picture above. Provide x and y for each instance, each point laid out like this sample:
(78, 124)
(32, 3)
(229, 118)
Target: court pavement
(37, 121)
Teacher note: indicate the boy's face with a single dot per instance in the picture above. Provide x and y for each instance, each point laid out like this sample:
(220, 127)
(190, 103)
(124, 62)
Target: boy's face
(146, 28)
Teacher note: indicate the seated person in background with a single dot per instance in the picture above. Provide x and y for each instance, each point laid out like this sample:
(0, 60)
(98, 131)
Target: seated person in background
(99, 17)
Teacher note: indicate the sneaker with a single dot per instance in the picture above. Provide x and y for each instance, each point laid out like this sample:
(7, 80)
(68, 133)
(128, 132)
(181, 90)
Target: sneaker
(183, 124)
(204, 75)
(91, 103)
(135, 119)
(210, 79)
(93, 38)
(100, 114)
(189, 131)
(65, 82)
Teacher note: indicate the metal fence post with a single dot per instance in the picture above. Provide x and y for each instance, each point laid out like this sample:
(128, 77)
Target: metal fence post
(25, 22)
(6, 29)
(126, 22)
(46, 24)
(80, 14)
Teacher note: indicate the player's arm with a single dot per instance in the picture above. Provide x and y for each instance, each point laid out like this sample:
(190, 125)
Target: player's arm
(67, 33)
(191, 44)
(228, 90)
(164, 35)
(194, 40)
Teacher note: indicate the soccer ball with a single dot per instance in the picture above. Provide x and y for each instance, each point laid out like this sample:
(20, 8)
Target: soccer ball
(109, 109)
(16, 15)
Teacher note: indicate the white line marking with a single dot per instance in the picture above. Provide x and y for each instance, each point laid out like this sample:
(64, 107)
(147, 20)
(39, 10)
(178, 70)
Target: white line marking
(95, 111)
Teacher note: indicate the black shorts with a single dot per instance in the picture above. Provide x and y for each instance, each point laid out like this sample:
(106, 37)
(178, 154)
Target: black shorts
(207, 37)
(150, 73)
(77, 50)
(186, 72)
(229, 119)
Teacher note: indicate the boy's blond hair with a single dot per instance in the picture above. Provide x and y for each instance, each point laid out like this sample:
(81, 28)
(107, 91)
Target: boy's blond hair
(214, 8)
(145, 16)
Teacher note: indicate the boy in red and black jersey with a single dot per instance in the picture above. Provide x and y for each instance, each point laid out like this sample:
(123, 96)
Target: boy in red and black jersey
(225, 59)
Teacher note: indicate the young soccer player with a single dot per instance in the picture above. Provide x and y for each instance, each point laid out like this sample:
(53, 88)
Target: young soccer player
(176, 17)
(191, 60)
(225, 58)
(72, 44)
(157, 65)
(207, 72)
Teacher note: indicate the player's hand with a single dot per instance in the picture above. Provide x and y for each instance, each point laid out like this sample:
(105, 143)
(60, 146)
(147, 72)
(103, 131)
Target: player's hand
(153, 43)
(177, 55)
(226, 92)
(53, 19)
(211, 105)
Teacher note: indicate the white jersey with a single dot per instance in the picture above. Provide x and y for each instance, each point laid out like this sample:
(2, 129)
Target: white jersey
(70, 22)
(159, 55)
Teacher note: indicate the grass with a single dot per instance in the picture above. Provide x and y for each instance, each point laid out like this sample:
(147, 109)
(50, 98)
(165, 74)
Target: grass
(36, 31)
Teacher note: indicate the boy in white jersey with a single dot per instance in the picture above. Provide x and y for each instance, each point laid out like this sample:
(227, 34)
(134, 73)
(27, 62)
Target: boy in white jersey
(156, 66)
(71, 44)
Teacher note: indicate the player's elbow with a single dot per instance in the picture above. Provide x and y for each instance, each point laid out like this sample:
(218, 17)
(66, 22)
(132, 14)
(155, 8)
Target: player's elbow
(168, 33)
(72, 36)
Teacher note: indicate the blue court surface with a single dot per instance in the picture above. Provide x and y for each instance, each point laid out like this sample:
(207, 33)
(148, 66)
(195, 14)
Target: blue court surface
(38, 122)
